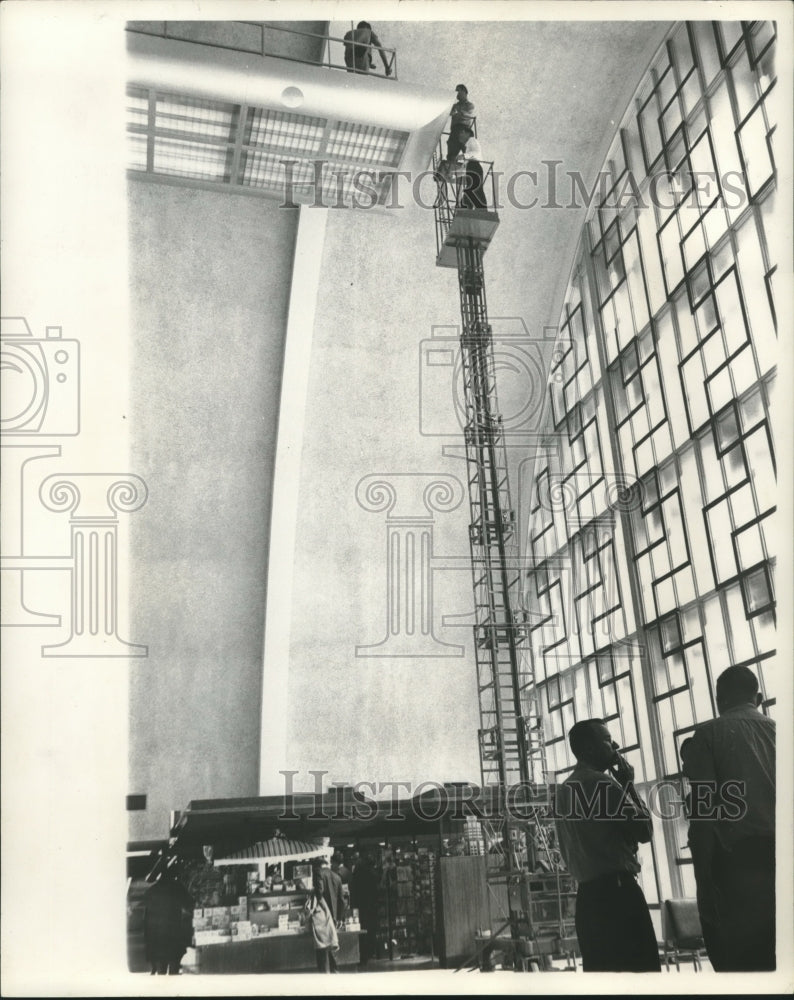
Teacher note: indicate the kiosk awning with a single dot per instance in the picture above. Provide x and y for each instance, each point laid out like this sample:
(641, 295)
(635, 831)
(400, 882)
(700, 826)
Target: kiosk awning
(276, 849)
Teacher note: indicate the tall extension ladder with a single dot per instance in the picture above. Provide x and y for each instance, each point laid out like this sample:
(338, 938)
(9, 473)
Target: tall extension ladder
(512, 755)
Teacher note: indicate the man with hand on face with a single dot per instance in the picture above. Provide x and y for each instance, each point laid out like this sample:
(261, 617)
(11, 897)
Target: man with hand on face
(600, 822)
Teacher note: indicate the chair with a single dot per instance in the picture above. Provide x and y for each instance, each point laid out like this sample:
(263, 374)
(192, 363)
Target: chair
(683, 935)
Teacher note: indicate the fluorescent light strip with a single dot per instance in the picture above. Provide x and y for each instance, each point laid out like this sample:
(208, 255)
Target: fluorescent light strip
(297, 132)
(186, 159)
(194, 116)
(138, 143)
(366, 143)
(137, 109)
(269, 136)
(265, 170)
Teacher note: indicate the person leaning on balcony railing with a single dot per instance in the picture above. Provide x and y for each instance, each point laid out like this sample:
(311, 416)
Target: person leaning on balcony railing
(358, 49)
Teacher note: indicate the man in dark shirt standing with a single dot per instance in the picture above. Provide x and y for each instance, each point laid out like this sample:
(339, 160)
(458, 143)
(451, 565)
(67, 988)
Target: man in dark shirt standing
(358, 49)
(730, 763)
(600, 821)
(461, 124)
(330, 885)
(167, 923)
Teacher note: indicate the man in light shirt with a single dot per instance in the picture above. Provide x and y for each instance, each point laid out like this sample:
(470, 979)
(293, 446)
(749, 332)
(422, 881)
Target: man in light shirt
(600, 821)
(473, 194)
(730, 764)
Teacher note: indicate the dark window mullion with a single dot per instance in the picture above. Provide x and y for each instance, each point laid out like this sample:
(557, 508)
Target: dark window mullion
(152, 117)
(243, 115)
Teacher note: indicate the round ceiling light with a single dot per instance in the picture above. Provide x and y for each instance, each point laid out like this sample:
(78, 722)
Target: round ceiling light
(292, 97)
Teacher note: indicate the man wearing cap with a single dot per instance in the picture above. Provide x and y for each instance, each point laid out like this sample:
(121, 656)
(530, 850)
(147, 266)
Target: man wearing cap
(358, 49)
(461, 117)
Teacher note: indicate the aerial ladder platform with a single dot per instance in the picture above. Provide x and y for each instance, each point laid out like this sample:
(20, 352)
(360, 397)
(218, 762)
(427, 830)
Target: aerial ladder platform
(526, 880)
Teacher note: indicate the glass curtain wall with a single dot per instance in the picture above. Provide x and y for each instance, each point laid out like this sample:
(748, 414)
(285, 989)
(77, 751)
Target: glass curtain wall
(650, 548)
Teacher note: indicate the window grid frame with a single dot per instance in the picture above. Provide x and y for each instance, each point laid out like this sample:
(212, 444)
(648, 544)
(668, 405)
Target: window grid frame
(727, 261)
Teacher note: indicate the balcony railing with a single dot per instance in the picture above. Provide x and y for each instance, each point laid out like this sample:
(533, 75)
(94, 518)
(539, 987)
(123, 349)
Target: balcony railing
(257, 38)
